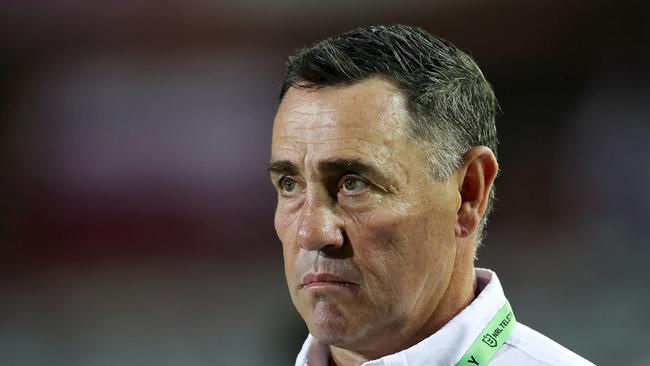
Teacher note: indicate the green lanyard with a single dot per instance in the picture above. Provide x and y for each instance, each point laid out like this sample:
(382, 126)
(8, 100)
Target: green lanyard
(491, 338)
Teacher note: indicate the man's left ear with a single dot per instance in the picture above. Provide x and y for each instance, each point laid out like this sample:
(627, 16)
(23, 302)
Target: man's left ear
(475, 179)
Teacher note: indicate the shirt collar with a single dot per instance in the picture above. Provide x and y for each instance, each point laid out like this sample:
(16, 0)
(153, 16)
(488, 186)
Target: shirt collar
(444, 347)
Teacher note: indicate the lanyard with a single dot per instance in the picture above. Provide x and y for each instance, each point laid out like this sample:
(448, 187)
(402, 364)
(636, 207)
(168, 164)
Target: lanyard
(491, 338)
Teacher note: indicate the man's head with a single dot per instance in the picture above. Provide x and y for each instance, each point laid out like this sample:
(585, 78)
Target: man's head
(451, 107)
(383, 175)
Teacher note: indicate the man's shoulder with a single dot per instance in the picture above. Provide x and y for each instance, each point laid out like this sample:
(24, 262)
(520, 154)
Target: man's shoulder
(529, 347)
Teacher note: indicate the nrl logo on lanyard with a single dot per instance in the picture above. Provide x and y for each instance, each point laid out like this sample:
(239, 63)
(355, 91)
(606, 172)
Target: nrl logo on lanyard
(490, 340)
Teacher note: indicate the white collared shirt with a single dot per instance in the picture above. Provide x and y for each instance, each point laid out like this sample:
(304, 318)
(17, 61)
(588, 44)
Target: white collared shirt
(524, 347)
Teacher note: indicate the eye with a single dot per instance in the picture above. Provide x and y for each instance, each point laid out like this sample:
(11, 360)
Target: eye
(351, 185)
(289, 186)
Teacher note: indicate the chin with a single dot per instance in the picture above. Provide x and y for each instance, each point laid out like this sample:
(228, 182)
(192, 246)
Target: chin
(332, 337)
(330, 326)
(334, 329)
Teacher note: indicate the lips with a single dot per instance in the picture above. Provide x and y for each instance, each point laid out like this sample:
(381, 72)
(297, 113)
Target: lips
(313, 280)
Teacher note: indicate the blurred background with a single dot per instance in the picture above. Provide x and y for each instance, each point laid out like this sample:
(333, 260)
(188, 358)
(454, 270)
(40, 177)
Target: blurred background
(134, 136)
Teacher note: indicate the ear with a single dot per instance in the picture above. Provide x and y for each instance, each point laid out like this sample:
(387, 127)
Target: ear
(475, 180)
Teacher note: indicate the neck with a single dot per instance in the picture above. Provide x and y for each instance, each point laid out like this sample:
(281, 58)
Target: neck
(460, 292)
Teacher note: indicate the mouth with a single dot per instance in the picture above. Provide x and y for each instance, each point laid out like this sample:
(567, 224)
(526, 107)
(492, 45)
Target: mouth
(324, 280)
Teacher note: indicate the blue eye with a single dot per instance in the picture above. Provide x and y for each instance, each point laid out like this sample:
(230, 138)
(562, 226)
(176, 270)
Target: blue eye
(353, 185)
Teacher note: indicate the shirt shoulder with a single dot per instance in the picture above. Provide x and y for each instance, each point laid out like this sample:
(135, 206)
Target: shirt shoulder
(529, 347)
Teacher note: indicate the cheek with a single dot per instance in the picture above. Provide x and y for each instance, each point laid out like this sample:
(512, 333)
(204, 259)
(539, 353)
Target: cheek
(284, 228)
(398, 253)
(284, 222)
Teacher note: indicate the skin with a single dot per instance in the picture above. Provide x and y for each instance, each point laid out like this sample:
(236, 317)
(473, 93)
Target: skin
(355, 200)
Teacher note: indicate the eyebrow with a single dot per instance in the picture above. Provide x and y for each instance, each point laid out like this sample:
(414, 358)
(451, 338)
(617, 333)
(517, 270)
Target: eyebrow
(334, 165)
(350, 165)
(282, 167)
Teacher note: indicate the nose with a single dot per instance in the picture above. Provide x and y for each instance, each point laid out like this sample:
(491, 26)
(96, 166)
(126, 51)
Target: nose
(320, 228)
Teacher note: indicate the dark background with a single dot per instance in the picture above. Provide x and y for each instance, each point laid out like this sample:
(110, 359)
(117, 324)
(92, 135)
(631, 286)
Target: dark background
(137, 214)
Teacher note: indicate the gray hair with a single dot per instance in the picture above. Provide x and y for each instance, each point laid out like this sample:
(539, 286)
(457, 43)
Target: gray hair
(451, 105)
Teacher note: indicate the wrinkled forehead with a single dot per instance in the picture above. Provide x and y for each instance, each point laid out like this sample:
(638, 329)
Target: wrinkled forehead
(371, 111)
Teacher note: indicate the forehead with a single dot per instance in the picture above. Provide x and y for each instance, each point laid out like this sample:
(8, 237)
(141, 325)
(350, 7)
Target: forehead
(365, 118)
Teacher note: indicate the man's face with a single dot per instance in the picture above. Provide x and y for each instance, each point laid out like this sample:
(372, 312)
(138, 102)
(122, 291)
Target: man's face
(368, 237)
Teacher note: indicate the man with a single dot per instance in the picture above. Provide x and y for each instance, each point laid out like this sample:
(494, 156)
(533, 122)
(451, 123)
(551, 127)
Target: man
(384, 156)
